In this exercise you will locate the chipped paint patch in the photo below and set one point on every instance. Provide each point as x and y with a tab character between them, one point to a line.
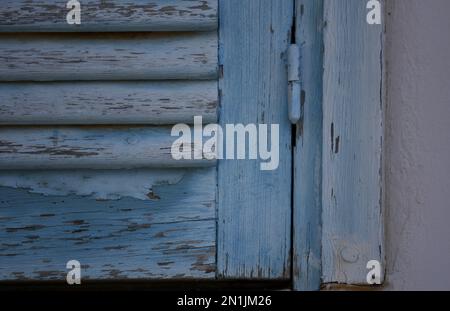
100	185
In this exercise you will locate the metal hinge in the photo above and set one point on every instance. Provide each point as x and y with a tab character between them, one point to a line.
294	85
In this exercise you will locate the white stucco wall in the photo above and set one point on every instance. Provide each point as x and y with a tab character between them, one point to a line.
418	145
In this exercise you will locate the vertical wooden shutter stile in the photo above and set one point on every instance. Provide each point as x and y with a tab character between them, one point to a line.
95	103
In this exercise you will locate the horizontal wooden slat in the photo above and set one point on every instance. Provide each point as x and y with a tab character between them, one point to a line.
108	102
155	56
109	15
90	148
170	236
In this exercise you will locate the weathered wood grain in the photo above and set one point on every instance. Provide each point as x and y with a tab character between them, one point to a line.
352	143
109	15
98	184
307	188
145	222
170	236
108	102
254	206
90	148
138	56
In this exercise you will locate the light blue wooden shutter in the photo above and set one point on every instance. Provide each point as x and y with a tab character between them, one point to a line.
86	114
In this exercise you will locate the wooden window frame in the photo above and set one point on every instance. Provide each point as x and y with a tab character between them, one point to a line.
338	173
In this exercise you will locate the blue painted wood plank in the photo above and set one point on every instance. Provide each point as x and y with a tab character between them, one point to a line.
254	206
352	143
109	15
119	102
172	234
112	56
307	188
93	147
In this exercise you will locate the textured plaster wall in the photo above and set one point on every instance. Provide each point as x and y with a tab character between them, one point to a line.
418	144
